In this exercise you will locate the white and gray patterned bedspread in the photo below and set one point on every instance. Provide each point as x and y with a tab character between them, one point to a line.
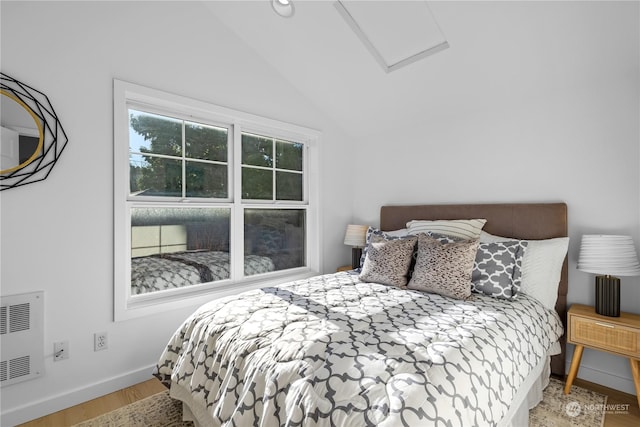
334	351
175	270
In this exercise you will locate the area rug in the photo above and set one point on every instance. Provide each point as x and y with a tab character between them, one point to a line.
581	408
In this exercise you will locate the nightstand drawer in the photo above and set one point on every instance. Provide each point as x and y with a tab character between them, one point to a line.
605	335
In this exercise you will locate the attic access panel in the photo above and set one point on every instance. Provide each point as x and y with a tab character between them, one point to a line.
397	33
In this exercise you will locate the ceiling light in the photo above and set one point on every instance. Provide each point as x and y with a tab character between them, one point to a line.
283	8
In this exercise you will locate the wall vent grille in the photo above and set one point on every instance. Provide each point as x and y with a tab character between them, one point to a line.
19	316
21	337
19	367
3	320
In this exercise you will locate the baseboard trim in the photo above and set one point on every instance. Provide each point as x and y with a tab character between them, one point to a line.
606	379
32	410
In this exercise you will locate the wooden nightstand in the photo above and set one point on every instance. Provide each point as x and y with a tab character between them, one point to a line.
616	335
344	268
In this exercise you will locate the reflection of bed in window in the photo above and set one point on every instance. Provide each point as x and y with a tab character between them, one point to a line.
173	270
192	251
284	245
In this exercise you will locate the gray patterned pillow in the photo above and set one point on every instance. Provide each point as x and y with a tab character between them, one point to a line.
444	268
388	261
497	270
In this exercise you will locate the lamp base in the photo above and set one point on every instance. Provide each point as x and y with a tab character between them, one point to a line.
608	296
356	253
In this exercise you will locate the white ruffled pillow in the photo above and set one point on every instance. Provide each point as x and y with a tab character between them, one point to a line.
541	266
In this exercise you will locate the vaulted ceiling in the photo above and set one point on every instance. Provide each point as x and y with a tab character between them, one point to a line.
500	51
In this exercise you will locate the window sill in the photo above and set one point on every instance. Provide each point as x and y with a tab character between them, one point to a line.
160	302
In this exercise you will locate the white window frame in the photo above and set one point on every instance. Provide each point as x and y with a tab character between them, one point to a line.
128	95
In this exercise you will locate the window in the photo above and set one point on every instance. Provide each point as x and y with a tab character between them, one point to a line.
207	201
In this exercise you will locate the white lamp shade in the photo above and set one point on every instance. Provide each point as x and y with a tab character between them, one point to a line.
356	235
608	255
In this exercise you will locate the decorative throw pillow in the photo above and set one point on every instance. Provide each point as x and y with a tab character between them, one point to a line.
468	229
444	268
497	270
388	261
386	235
541	266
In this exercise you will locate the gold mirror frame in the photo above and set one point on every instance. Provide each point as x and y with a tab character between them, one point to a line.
53	138
33	115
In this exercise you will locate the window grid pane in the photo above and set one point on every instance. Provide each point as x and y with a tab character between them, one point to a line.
257	150
289	186
257	184
289	155
200	150
154	134
155	176
206	180
206	142
257	154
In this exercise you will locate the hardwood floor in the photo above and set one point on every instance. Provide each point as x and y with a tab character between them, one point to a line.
112	401
630	418
99	406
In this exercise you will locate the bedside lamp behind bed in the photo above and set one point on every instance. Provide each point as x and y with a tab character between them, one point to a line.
356	237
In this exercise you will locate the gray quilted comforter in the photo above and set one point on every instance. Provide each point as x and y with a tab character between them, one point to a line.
334	351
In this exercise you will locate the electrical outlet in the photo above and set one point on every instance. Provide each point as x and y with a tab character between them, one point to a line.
60	350
100	341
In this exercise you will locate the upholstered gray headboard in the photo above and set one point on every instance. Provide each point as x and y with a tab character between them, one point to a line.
518	220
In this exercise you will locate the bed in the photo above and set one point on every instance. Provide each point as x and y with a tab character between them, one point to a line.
339	350
174	270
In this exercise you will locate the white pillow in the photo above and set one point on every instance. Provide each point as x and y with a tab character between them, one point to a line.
541	266
468	229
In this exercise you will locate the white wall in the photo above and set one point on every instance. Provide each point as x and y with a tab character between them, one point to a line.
57	234
544	105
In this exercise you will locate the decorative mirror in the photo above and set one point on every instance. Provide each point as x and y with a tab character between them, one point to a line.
32	137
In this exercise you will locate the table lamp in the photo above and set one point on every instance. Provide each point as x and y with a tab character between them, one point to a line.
356	236
608	256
